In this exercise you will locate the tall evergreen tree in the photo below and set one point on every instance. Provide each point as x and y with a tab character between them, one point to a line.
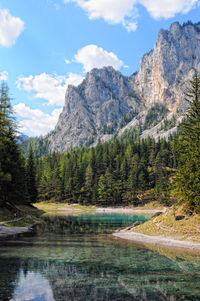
5	124
31	177
12	172
88	181
187	179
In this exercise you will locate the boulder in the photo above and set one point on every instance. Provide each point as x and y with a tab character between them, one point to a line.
179	217
157	214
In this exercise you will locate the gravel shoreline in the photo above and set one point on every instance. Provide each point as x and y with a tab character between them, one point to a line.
10	231
158	240
128	210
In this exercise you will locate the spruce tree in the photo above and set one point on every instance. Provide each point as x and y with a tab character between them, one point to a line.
12	172
102	190
5	124
187	179
31	177
88	181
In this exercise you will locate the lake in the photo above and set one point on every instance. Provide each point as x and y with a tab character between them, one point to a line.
76	258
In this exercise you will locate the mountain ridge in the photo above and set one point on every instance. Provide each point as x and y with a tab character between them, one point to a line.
107	103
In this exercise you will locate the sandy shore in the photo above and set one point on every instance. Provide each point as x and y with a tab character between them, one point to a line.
9	231
158	240
128	210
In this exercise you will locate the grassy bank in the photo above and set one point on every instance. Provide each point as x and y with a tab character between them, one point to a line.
166	225
19	215
62	208
154	205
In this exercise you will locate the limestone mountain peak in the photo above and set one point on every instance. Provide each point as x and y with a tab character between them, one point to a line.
108	103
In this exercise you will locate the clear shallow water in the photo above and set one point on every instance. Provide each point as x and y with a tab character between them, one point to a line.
75	258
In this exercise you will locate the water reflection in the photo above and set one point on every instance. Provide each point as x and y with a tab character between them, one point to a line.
32	286
59	281
71	258
86	224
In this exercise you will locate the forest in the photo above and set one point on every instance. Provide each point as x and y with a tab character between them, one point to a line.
112	173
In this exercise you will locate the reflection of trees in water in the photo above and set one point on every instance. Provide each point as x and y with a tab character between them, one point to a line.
84	284
88	282
9	276
149	292
83	224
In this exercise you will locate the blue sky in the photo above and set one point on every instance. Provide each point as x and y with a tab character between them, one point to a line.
47	44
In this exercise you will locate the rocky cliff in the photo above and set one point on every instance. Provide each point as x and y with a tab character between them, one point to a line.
108	103
94	109
164	71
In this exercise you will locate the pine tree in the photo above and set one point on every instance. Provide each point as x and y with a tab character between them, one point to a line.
88	181
5	124
12	172
102	190
31	177
187	179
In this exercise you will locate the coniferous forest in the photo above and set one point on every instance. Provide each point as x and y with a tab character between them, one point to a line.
112	173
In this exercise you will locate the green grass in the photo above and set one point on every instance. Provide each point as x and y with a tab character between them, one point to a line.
27	215
60	208
22	223
166	225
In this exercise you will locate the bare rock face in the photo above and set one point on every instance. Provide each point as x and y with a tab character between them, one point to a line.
94	110
165	70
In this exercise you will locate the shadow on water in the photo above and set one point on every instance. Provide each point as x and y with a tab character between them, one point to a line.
74	258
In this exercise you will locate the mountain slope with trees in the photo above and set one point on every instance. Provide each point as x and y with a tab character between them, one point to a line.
118	171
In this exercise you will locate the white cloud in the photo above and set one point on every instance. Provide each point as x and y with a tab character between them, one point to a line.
126	12
130	26
67	61
36	122
112	11
48	87
10	28
74	79
4	75
55	4
92	56
168	8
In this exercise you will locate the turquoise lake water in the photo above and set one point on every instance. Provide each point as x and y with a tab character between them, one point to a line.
76	258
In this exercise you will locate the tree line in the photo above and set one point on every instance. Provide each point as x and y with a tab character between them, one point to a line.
112	173
17	174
